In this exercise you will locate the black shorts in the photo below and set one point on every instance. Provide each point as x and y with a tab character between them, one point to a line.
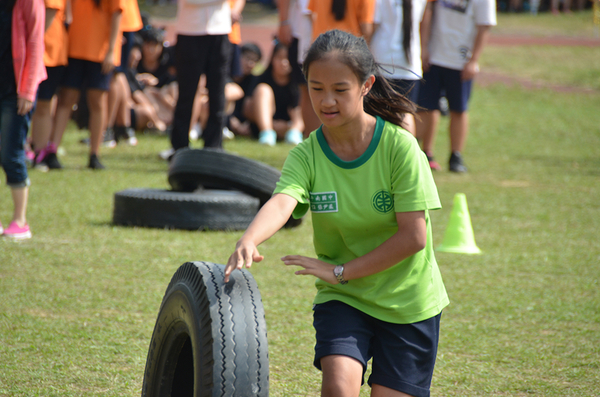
439	81
81	73
49	87
403	354
408	88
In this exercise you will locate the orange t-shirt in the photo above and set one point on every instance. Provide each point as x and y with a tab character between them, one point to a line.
89	34
235	37
56	37
131	21
357	13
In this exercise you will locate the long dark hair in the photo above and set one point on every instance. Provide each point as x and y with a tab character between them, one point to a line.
338	7
406	27
382	100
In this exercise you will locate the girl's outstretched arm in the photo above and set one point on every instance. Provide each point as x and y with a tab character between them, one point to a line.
271	217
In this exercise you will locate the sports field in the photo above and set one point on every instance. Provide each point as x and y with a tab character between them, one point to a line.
78	301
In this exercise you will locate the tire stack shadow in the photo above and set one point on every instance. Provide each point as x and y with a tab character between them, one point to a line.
211	190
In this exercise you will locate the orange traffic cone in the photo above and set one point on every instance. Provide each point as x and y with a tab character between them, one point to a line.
459	237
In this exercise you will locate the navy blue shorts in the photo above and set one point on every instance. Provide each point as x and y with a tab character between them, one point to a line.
439	81
408	88
403	354
49	87
88	74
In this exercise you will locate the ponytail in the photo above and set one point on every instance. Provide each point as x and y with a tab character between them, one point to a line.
338	8
384	101
406	27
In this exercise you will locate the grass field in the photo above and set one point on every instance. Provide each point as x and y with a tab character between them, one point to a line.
80	299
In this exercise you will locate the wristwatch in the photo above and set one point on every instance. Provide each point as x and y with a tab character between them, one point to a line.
338	272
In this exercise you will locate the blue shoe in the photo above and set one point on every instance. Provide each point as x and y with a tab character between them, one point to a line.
267	137
293	136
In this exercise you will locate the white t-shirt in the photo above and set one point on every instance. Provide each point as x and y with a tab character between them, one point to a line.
386	43
454	27
203	17
301	25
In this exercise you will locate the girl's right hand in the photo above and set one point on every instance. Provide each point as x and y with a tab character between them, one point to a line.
245	253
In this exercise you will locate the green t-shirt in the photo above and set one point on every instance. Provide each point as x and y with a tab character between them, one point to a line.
354	205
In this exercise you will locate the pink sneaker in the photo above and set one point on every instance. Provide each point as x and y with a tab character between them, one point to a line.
15	232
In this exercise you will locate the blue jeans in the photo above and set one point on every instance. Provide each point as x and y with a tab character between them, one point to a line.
13	132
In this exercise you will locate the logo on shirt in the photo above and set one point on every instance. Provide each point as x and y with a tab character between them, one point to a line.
324	202
382	201
456	5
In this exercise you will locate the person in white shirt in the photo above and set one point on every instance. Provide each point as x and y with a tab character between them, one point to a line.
396	46
202	47
451	51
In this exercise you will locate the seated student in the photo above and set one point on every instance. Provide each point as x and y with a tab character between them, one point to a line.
152	78
250	56
273	109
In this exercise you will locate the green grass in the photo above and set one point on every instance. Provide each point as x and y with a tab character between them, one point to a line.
577	24
80	299
575	66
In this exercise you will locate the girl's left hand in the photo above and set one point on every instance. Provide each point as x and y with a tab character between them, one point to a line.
23	106
312	266
108	65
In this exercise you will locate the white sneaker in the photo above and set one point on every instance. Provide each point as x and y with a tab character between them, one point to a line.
195	132
1	229
267	137
293	136
165	154
227	134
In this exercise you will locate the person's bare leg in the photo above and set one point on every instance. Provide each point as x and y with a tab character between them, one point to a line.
341	376
263	103
41	123
97	103
382	391
459	128
427	123
410	124
114	100
19	197
67	98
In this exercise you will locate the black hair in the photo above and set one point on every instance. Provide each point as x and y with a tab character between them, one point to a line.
278	46
97	2
338	7
406	27
251	48
151	34
382	100
10	4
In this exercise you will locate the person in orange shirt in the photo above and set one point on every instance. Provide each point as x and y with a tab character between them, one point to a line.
94	51
55	59
352	16
119	125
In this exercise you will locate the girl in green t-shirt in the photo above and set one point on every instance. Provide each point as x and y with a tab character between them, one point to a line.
380	292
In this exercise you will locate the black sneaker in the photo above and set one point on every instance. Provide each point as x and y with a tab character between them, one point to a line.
125	133
51	160
95	163
456	163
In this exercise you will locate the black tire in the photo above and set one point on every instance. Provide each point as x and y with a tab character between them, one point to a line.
210	338
214	169
207	209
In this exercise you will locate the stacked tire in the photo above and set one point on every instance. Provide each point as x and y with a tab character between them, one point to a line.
211	190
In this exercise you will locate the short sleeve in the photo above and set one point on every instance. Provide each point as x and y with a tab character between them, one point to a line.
485	12
413	186
366	11
294	180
